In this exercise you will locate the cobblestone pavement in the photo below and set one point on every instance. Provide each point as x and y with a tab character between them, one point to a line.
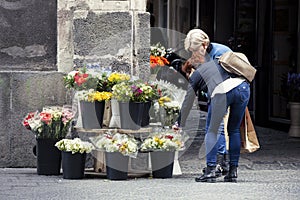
270	173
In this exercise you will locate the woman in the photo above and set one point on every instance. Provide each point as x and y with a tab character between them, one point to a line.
223	90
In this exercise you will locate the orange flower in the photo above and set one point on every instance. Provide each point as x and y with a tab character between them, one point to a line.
158	60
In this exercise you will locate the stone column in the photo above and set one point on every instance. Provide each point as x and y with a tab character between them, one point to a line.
113	34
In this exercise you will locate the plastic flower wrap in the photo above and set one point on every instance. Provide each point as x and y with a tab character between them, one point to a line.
117	142
172	107
74	145
51	122
163	141
167	108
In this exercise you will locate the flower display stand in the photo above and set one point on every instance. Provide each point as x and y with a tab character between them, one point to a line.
176	166
115	114
99	161
145	169
99	156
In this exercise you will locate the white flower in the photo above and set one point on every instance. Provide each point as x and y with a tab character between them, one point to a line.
72	74
117	142
162	141
74	145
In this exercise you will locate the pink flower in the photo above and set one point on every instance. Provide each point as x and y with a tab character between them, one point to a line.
46	117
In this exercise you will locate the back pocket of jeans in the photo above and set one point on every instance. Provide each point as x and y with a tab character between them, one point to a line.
244	92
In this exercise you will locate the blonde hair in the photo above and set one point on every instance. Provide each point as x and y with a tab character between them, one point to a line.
194	39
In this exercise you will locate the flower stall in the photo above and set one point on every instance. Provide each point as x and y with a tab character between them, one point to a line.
111	110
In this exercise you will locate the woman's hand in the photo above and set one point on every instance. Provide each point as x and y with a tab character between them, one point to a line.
175	127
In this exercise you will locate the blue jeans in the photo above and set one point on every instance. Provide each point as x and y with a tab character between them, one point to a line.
221	135
237	99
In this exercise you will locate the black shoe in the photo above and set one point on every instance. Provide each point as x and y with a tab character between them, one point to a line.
209	175
232	174
218	172
225	164
222	167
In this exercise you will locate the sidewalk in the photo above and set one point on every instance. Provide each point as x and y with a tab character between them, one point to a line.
270	173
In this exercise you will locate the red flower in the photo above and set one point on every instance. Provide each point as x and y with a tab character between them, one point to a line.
46	117
25	121
169	137
80	78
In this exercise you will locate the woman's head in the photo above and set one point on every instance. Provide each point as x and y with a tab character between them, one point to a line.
197	42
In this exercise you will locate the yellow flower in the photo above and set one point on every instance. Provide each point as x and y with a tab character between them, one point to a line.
163	99
117	77
99	96
123	147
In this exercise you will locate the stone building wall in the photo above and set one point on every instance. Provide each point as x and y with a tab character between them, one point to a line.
42	40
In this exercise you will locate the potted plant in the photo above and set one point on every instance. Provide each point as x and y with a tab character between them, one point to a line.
81	82
132	97
73	157
49	126
118	148
293	89
162	147
92	107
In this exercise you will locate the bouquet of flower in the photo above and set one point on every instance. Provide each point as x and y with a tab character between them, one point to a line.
117	77
157	58
74	145
117	142
143	92
82	79
293	86
168	110
53	122
163	141
91	95
122	91
136	91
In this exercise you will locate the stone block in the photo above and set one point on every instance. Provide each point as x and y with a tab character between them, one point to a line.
4	118
65	50
24	93
102	36
138	5
142	44
28	35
